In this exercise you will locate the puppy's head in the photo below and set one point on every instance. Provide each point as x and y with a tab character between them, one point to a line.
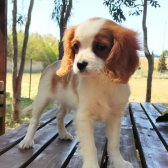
100	46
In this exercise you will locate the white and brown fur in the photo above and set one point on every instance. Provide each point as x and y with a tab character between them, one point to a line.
92	79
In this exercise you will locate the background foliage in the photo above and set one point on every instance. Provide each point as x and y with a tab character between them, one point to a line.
162	66
41	48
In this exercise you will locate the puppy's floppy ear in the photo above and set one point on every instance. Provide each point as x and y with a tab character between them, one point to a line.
123	59
68	58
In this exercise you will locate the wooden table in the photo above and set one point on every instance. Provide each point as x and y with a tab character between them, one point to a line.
143	142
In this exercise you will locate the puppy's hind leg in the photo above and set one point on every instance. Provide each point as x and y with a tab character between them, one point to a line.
39	104
63	133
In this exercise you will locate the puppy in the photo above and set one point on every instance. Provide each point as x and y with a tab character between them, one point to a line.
92	79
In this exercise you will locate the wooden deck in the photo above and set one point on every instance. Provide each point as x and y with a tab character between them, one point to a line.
143	142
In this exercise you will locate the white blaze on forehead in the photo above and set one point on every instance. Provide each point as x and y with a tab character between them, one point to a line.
85	34
89	28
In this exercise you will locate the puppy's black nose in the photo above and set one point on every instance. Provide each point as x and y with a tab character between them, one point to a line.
82	65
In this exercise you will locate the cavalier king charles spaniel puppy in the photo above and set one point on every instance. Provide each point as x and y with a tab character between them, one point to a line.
92	79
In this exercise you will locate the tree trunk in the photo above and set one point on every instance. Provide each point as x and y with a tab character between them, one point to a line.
17	76
65	14
148	55
25	41
60	47
15	106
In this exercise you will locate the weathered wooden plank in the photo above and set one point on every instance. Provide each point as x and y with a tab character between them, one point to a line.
50	152
17	158
152	152
1	97
127	148
1	102
11	138
57	154
159	107
126	121
160	127
76	161
2	87
127	142
100	141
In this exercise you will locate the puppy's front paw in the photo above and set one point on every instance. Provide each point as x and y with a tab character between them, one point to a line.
90	165
26	144
121	164
128	164
65	136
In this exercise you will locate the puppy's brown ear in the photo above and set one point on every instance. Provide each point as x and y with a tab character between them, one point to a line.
123	59
68	58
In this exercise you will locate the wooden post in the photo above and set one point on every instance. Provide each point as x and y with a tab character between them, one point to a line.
3	58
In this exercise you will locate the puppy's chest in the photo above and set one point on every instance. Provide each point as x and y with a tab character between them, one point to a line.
96	99
92	94
95	91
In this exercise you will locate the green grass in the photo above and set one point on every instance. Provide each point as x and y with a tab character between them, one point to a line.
24	103
159	90
25	84
25	100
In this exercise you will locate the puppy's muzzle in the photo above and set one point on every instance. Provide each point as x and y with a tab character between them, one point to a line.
82	65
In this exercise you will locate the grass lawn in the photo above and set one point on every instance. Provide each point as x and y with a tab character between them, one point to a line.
159	90
25	84
25	101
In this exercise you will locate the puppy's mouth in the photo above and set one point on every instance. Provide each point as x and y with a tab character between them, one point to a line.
82	72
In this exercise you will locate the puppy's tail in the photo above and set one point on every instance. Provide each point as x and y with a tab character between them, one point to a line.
26	110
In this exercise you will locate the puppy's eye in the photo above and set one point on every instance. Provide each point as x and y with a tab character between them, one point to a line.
100	47
76	47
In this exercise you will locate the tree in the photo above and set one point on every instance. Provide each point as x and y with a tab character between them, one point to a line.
18	72
165	53
10	46
162	62
137	7
61	14
41	48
